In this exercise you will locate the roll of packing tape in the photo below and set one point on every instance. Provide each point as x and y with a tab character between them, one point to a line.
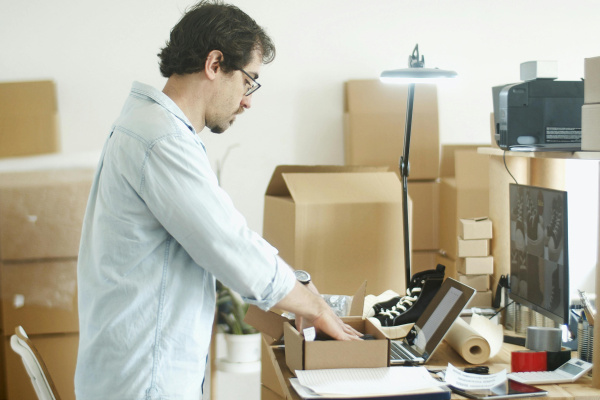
557	358
526	361
471	346
543	339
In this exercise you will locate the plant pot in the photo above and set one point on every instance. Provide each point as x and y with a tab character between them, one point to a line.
242	348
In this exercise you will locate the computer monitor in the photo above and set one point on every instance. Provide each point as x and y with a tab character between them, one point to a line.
539	258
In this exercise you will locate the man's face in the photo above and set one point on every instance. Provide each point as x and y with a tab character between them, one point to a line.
230	98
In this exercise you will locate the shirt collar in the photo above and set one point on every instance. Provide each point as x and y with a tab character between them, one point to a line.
162	99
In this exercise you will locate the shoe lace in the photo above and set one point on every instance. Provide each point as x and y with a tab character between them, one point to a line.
403	304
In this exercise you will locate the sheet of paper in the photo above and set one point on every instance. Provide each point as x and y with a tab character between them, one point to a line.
465	380
359	381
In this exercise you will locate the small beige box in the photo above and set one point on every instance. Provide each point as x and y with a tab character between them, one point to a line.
477	282
481	299
473	247
476	265
476	228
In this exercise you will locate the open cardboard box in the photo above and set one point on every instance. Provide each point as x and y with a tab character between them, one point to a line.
322	354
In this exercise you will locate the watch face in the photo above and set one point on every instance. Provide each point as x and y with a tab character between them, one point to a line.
302	276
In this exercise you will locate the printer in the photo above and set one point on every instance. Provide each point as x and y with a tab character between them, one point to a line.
538	115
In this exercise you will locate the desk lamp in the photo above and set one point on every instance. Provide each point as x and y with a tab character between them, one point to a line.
415	73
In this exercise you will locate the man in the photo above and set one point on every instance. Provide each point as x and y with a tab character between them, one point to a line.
158	229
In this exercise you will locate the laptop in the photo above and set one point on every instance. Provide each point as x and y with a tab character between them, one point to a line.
433	325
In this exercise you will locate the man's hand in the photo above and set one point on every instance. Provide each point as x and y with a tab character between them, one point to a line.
311	310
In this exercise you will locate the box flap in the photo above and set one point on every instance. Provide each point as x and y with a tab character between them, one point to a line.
358	301
277	186
266	322
344	187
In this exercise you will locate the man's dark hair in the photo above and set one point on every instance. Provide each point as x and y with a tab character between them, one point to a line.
213	25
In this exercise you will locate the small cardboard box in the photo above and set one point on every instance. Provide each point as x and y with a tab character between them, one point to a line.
481	300
321	354
41	213
475	228
40	296
326	354
374	120
473	248
28	119
480	283
591	83
476	265
590	127
341	224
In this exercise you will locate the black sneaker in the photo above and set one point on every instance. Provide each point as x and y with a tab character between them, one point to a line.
407	309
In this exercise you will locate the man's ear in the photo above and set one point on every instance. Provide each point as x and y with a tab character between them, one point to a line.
213	64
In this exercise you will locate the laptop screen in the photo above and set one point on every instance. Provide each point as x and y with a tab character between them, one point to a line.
439	315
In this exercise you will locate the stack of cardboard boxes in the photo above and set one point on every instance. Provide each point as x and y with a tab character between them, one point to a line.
475	264
41	211
40	224
374	121
590	112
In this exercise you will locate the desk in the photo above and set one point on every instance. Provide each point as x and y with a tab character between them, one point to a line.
444	355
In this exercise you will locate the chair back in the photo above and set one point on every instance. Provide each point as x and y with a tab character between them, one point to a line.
35	366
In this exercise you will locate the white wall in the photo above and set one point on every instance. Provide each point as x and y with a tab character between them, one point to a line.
93	50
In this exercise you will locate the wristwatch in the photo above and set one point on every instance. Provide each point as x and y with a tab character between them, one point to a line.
302	276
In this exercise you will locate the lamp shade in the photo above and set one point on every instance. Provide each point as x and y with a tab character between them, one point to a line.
416	75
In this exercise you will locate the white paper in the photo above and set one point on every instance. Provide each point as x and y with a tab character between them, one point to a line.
465	380
360	381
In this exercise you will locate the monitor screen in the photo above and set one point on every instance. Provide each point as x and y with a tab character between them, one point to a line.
539	259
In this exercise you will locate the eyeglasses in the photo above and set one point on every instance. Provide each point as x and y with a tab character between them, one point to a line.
254	86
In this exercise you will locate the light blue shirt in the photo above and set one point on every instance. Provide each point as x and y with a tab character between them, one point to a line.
157	231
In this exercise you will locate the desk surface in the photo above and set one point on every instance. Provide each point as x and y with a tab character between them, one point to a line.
444	355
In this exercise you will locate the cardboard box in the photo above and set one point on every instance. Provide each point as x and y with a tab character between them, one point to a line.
480	283
268	376
481	300
2	371
59	353
374	121
41	213
319	354
448	158
326	354
475	228
268	394
591	83
465	196
473	248
476	265
40	296
590	127
28	119
423	260
341	225
425	198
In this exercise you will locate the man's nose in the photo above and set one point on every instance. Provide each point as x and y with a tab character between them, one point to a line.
246	102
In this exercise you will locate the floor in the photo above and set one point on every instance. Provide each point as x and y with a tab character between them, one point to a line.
231	385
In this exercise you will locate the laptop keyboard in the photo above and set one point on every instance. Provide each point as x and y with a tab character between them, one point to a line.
398	352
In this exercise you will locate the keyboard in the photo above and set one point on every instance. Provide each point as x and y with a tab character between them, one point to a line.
399	352
540	377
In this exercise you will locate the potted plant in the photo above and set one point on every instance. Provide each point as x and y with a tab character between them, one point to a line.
242	340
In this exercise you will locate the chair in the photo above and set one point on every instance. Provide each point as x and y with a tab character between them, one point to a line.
35	366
